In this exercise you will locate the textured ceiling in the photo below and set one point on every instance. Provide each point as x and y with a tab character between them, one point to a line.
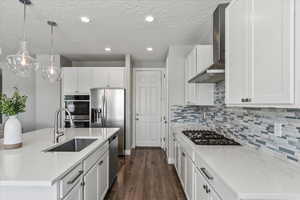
118	24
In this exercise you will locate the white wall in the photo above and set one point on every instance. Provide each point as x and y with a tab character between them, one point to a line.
26	86
47	96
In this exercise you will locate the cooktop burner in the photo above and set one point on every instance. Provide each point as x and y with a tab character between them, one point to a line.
205	137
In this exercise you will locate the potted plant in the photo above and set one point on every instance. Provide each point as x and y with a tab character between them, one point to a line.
11	107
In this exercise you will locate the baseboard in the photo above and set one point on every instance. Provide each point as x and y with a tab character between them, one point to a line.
127	152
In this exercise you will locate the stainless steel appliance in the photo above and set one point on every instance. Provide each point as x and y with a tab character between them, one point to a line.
79	107
113	159
108	110
205	137
216	72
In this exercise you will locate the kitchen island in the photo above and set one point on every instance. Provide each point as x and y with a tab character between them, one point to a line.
33	173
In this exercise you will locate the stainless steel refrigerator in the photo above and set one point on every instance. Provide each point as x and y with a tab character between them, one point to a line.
108	110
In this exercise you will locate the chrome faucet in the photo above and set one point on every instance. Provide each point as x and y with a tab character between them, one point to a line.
58	130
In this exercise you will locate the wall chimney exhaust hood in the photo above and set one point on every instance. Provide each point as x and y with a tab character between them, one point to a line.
216	72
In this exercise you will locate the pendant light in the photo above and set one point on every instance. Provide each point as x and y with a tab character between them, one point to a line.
22	63
52	72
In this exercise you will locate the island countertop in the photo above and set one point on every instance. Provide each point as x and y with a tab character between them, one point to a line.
31	166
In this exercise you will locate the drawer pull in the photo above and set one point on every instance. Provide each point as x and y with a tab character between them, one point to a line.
75	178
209	177
100	163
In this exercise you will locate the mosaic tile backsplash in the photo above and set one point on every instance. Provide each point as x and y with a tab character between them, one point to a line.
251	126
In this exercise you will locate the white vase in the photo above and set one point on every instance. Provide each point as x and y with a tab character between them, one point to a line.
12	133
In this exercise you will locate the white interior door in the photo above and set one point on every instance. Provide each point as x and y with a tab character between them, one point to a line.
148	107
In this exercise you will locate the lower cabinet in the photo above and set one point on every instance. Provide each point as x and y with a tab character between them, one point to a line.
91	184
96	180
203	191
189	185
76	192
103	176
89	180
194	182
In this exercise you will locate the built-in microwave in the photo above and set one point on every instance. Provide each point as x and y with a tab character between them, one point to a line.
79	107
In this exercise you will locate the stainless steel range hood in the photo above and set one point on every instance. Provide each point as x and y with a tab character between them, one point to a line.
216	72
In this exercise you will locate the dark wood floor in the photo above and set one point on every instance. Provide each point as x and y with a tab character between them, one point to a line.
145	175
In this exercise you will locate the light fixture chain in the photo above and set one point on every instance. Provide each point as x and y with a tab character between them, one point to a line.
24	22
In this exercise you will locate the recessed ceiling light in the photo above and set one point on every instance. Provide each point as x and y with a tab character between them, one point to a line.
85	19
107	49
149	18
149	49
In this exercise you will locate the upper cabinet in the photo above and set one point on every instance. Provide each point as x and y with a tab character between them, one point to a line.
108	77
260	68
196	61
79	80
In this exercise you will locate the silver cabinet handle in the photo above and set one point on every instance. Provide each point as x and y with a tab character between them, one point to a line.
75	178
208	176
100	163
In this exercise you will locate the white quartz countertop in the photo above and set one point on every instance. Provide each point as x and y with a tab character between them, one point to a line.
31	166
250	173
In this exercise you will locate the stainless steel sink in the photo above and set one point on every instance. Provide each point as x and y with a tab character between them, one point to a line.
74	145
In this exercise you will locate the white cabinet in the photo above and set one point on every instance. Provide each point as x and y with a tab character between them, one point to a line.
70	77
189	185
200	186
84	79
196	61
77	80
102	176
90	184
183	168
260	53
108	77
203	191
76	193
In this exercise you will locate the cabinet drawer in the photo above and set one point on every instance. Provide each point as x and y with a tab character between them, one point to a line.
70	180
92	159
216	183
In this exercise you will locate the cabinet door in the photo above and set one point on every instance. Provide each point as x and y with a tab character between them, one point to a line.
84	79
176	156
204	57
200	184
91	184
272	60
183	168
187	85
237	51
76	192
192	72
116	77
70	80
189	186
100	77
103	172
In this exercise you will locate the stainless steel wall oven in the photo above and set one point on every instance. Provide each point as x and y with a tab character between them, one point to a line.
79	107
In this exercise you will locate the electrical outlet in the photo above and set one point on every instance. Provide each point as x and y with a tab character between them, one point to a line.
278	129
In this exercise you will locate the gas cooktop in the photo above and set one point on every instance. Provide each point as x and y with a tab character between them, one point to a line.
205	137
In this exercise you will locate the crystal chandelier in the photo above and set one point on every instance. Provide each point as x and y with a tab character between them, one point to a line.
52	72
22	63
